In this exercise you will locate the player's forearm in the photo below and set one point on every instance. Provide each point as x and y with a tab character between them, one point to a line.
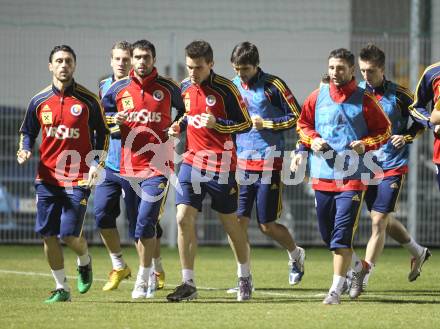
280	123
26	142
225	126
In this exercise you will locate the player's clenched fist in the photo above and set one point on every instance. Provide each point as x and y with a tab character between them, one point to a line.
207	119
257	122
120	117
23	156
174	130
319	144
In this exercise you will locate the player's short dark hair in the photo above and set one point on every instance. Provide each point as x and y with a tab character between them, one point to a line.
372	53
200	49
144	45
65	48
245	53
342	53
123	45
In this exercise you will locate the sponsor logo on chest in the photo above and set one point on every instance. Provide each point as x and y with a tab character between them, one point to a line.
46	115
144	116
127	101
195	120
62	132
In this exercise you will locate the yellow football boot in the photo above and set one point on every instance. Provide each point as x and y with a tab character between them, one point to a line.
160	279
115	277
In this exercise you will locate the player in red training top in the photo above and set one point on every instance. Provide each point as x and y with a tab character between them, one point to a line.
214	111
73	125
142	104
339	123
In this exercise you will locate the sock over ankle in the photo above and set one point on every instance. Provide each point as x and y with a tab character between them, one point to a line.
84	259
338	282
188	276
293	254
143	273
356	263
118	262
60	279
157	264
413	247
367	276
243	270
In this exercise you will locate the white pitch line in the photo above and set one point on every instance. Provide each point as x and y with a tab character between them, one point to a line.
202	288
169	284
41	274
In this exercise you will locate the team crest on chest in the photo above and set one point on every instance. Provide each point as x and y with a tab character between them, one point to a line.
127	101
76	110
158	95
211	100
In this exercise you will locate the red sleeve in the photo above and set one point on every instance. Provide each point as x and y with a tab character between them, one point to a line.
378	124
306	122
436	89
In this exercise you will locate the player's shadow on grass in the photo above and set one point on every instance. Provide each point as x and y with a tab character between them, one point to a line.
209	300
293	289
396	301
406	292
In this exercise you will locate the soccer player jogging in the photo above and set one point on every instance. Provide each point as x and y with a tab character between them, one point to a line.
214	111
393	156
273	110
107	194
73	126
339	123
428	92
142	105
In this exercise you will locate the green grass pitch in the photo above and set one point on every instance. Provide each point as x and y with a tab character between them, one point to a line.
390	302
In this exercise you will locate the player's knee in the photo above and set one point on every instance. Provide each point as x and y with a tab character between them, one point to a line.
105	223
159	231
267	228
379	222
70	240
148	231
184	220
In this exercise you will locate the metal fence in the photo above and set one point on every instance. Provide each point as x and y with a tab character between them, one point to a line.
17	202
321	26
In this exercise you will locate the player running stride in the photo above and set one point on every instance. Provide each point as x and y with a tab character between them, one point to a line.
73	125
143	104
214	111
338	124
273	110
393	157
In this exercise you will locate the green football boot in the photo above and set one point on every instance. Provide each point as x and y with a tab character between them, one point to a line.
58	295
85	277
